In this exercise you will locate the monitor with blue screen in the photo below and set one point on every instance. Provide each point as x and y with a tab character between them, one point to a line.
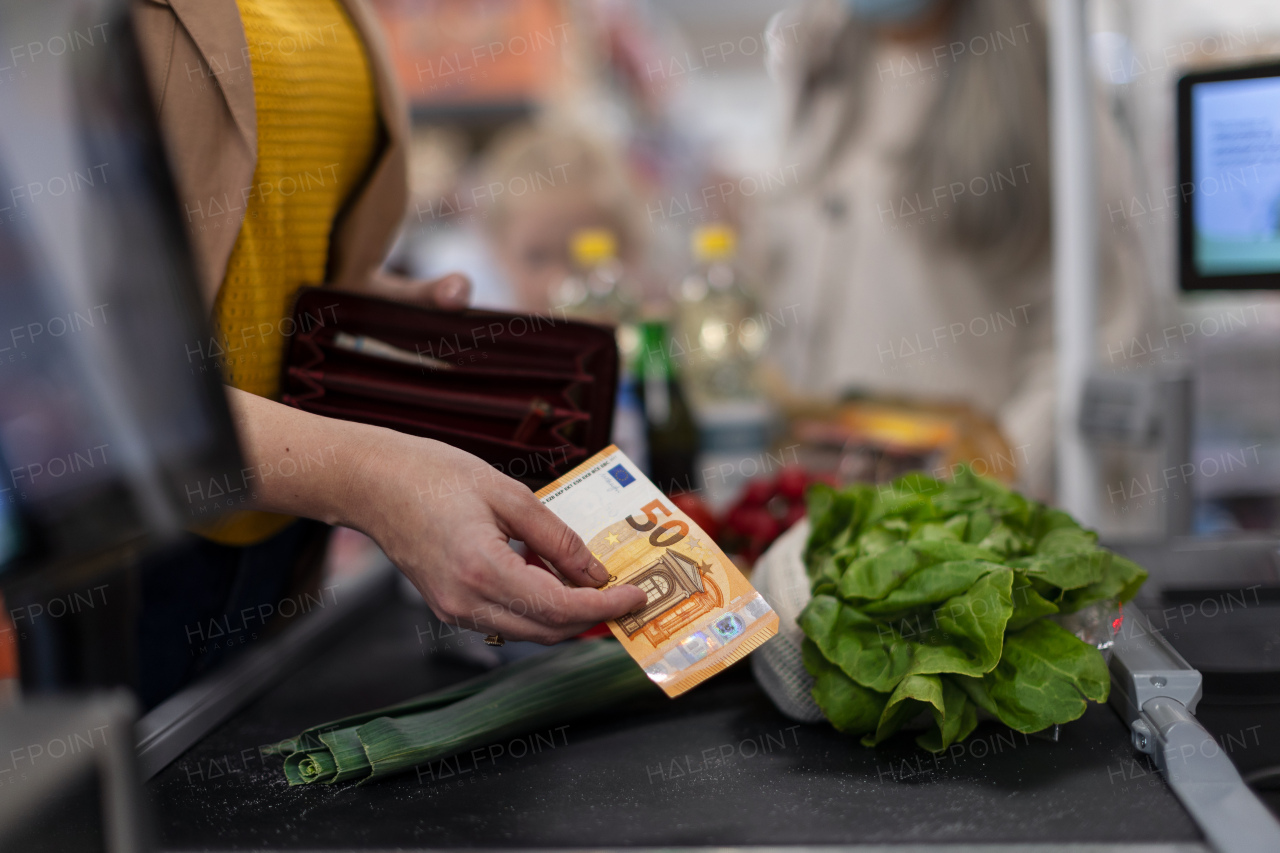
1229	179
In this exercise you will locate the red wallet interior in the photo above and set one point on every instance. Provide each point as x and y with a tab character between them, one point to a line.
532	395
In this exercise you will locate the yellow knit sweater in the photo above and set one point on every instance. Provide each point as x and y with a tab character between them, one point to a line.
317	129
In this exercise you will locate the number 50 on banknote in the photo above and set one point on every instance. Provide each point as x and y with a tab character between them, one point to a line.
700	613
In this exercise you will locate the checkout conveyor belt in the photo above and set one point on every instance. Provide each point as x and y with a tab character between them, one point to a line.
717	767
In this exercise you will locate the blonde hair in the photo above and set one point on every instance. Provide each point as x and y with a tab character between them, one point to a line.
544	158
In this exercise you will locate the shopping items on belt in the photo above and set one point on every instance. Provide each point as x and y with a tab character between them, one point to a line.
946	598
878	438
571	681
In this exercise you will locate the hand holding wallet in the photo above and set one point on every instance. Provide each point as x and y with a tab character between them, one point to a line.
531	395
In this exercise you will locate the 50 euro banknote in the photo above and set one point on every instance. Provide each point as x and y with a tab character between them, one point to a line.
701	613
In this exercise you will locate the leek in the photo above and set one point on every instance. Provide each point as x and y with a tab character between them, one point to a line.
572	681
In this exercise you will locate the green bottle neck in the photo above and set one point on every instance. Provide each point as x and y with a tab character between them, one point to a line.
653	358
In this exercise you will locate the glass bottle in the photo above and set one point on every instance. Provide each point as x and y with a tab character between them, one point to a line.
669	425
717	327
596	291
720	336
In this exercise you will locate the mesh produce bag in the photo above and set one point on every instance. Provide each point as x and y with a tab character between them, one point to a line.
779	576
778	666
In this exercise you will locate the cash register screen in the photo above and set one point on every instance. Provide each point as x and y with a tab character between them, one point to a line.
1230	178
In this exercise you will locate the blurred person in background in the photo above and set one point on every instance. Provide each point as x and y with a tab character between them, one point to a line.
286	136
557	181
915	250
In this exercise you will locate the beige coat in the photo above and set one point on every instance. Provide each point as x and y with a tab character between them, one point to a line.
195	57
869	303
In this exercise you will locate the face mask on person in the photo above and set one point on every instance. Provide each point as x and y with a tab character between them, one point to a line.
890	11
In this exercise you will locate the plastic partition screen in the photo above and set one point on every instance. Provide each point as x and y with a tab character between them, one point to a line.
107	422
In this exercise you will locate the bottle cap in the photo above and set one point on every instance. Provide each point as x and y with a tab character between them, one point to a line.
714	242
593	246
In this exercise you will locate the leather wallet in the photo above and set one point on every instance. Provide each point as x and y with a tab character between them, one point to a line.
531	395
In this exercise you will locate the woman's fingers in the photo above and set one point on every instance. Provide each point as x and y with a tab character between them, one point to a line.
524	517
451	292
545	612
564	607
550	618
496	590
458	555
499	620
529	592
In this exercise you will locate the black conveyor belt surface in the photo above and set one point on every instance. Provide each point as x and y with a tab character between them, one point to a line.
718	766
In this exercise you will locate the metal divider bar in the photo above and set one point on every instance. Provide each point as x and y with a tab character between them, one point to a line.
1155	691
173	726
